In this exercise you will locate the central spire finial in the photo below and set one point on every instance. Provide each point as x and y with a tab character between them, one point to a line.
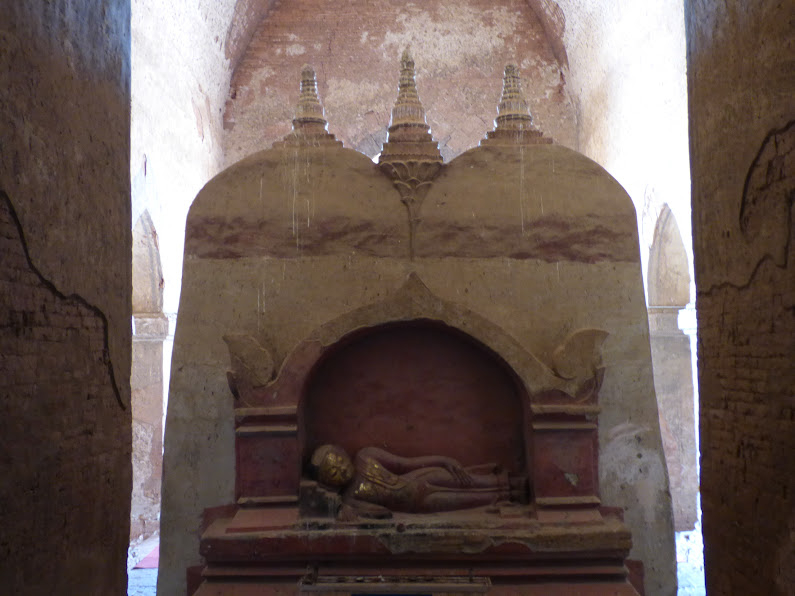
513	112
309	108
408	110
410	157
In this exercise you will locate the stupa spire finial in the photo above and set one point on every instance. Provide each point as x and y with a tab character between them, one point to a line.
410	156
514	123
513	112
408	109
309	123
309	108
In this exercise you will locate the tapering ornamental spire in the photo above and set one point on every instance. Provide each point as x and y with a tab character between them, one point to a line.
309	108
409	134
514	124
410	157
309	123
408	109
513	111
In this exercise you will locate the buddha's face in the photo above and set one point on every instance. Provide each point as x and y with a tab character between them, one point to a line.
336	468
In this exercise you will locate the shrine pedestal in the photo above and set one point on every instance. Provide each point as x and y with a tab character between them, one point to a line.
499	551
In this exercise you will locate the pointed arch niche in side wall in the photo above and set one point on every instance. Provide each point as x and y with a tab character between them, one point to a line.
669	292
150	327
669	279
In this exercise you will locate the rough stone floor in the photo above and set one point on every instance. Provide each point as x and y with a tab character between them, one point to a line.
141	582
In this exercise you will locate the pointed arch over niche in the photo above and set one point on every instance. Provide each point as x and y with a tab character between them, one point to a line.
669	291
150	327
147	273
395	386
578	356
669	278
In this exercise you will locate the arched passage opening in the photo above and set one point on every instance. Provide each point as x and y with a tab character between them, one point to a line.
150	327
673	346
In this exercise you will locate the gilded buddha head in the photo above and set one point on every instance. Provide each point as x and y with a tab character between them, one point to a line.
332	466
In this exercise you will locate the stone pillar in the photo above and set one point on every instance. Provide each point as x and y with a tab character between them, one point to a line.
149	331
673	383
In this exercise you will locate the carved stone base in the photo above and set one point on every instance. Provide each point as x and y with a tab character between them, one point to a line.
437	586
496	551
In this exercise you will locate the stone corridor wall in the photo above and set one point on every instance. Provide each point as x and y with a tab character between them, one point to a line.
65	472
741	70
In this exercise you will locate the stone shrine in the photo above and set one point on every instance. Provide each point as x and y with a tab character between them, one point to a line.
440	376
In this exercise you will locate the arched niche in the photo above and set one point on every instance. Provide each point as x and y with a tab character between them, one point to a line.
147	273
669	279
417	375
417	388
669	291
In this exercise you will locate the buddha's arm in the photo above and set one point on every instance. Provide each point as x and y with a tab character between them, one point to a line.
401	465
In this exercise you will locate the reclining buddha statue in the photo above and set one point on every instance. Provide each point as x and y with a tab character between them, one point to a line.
377	483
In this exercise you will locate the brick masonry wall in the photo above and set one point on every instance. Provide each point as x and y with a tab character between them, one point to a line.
460	50
64	435
65	471
748	434
741	81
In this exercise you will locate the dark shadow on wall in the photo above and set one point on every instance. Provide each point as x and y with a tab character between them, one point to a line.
64	435
76	298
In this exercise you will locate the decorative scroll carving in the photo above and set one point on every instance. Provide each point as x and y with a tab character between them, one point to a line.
252	365
571	372
309	123
514	124
579	359
410	157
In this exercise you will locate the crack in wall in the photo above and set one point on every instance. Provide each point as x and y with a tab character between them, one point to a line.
714	288
74	298
769	191
765	213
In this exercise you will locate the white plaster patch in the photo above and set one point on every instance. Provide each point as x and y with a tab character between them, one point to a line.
263	73
449	40
295	49
344	92
632	461
363	39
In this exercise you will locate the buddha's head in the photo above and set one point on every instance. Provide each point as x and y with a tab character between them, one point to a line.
332	466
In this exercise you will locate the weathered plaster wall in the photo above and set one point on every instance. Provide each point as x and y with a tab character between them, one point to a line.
741	84
627	79
460	50
65	296
180	81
